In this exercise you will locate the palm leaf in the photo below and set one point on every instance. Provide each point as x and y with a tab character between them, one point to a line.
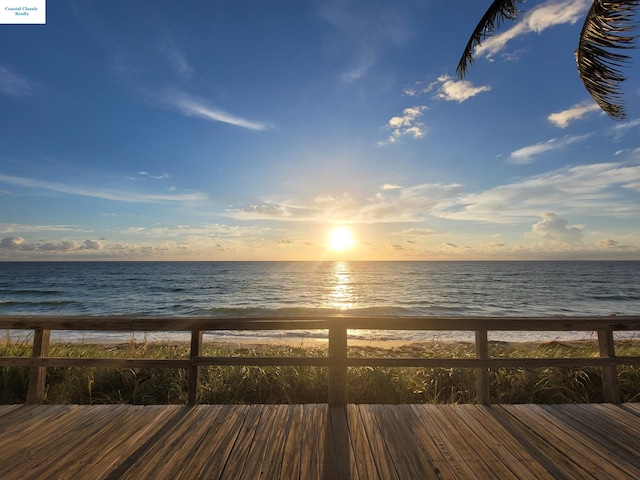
499	11
606	28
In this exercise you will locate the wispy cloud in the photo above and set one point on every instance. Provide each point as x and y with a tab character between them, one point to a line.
406	125
538	19
23	228
448	89
580	190
108	194
563	118
622	128
401	204
194	107
362	30
14	85
175	56
526	155
163	176
366	59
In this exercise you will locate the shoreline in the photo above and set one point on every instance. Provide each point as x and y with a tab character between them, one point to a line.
309	339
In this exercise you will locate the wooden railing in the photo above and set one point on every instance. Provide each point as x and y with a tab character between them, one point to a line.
337	359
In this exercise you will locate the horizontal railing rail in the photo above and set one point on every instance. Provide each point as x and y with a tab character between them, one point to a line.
336	360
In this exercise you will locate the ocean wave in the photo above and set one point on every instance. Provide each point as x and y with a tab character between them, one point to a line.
247	312
30	291
42	303
614	298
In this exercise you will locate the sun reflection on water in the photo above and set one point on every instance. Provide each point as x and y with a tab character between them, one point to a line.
342	292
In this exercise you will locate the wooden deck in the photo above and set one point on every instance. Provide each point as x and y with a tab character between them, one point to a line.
320	442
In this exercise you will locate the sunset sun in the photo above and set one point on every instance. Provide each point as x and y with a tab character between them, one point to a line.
340	239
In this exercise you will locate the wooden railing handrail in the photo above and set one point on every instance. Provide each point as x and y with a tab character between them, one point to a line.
336	360
127	323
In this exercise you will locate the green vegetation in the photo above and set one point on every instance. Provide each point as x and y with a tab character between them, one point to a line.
245	384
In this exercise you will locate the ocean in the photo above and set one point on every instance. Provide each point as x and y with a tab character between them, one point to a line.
245	289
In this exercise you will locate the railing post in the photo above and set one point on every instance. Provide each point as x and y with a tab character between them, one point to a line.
338	373
194	370
610	384
38	375
482	373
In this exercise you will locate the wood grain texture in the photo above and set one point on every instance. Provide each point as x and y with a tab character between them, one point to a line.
598	441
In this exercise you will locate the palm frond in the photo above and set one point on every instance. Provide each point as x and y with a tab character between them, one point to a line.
499	11
605	32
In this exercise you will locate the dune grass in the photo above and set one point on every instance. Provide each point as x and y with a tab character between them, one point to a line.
246	384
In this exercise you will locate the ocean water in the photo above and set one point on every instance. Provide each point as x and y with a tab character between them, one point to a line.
244	289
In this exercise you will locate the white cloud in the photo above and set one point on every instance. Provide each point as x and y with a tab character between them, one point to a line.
192	107
448	89
457	91
538	19
92	245
562	119
406	125
19	243
155	177
526	155
552	227
107	194
13	85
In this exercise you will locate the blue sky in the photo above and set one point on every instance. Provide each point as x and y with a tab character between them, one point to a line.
163	130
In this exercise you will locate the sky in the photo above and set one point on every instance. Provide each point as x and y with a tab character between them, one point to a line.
164	130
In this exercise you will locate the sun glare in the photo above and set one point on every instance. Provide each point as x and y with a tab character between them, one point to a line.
341	239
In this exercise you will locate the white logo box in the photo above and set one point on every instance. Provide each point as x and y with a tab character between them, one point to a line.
25	12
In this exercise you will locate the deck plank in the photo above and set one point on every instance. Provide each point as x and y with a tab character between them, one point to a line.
490	431
377	443
549	439
6	409
265	456
602	436
318	442
313	442
238	455
342	445
578	444
291	454
219	441
364	461
452	447
395	419
118	441
427	443
50	437
481	446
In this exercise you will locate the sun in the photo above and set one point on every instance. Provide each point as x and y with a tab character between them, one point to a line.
341	239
